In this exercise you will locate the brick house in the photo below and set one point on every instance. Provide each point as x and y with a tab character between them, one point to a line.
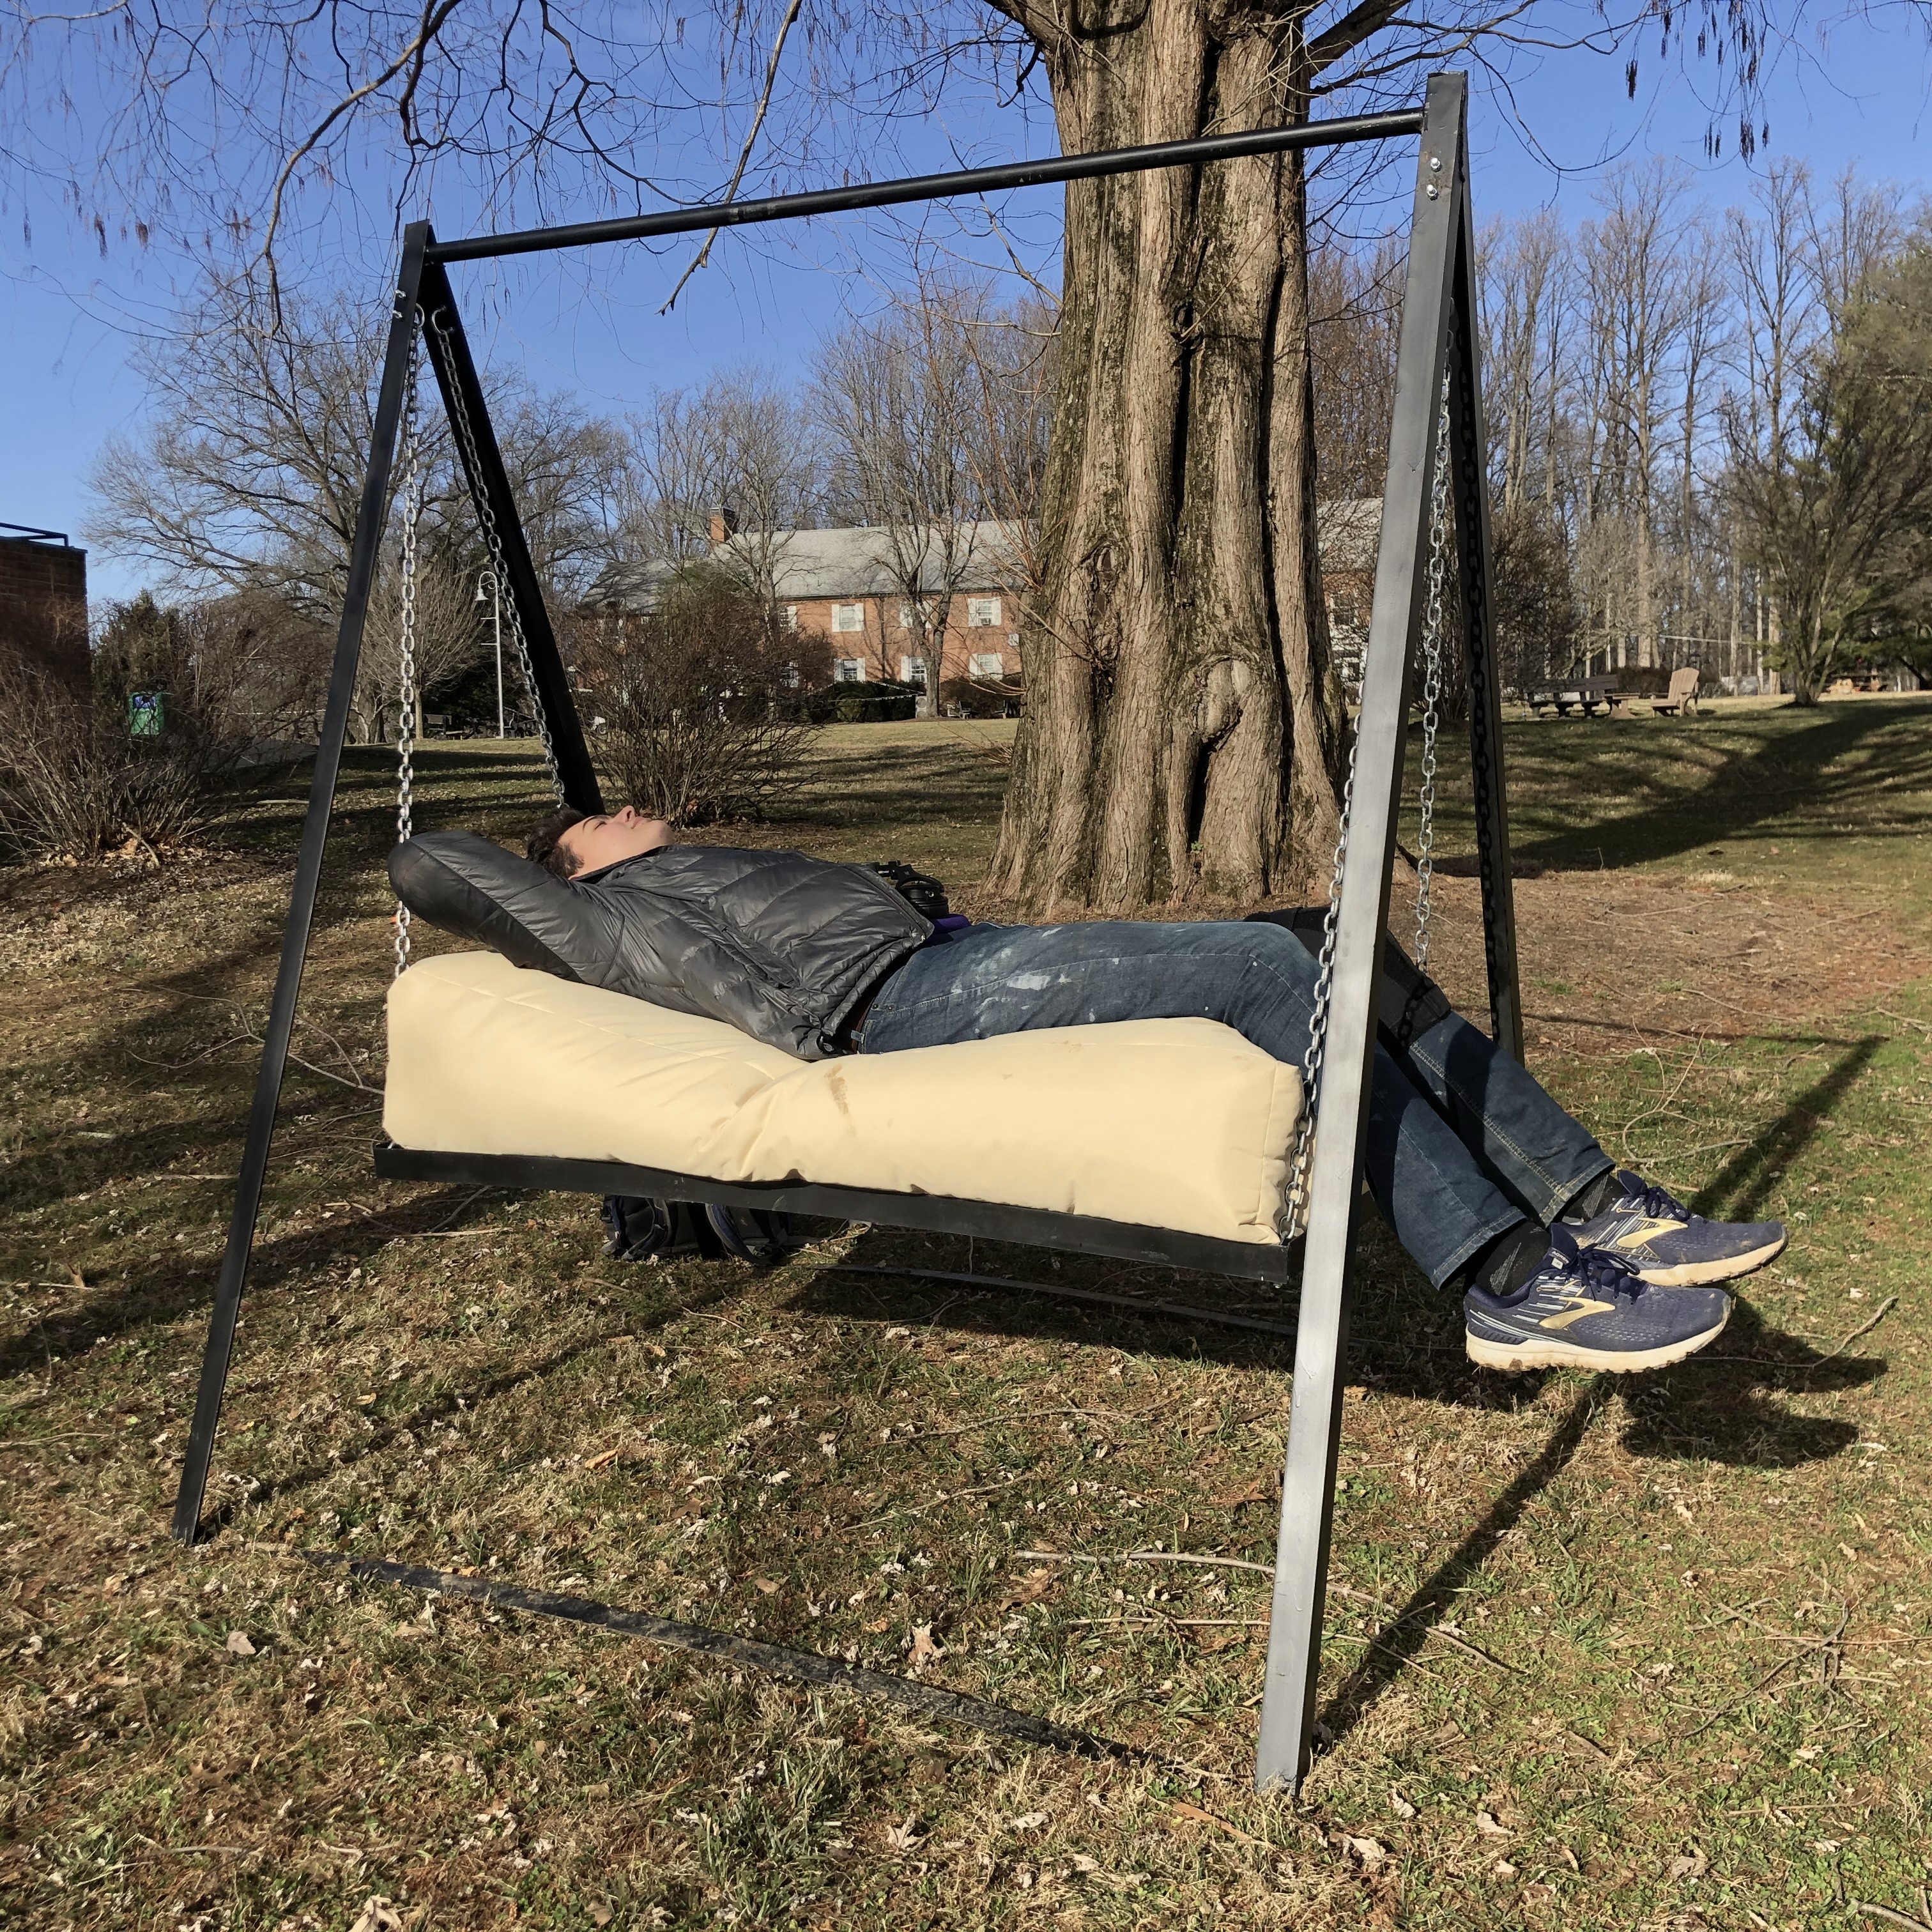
838	583
43	601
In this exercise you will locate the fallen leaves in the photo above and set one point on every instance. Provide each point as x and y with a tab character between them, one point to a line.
1692	1864
1029	1589
1491	1826
903	1838
924	1650
1200	1817
378	1916
238	1644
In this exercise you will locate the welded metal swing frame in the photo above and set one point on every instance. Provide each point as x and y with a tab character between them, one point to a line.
1438	338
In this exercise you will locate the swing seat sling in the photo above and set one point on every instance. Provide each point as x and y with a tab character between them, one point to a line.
1167	1141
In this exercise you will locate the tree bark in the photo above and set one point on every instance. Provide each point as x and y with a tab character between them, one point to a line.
1185	734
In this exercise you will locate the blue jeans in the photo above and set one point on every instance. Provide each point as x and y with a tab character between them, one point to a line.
1462	1143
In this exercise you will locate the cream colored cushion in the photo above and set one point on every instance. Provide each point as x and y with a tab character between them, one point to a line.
1170	1123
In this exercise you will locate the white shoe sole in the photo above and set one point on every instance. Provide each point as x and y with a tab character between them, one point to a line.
1702	1274
1555	1353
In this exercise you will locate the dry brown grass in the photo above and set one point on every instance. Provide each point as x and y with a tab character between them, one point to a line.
1600	1655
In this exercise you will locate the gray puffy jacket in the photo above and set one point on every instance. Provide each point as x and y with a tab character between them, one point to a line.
782	946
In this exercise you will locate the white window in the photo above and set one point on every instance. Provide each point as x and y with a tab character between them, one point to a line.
848	617
982	613
788	677
912	671
849	670
791	617
907	617
987	664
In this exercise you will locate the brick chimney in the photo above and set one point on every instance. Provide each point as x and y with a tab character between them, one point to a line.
724	526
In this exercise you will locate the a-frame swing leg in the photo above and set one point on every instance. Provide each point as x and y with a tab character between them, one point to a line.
362	557
1469	489
422	286
1438	225
490	484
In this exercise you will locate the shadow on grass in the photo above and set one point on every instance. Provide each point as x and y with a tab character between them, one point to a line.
1796	775
1742	1186
706	1292
1401	1639
183	1285
1717	1407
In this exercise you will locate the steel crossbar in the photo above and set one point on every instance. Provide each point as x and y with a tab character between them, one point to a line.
1439	335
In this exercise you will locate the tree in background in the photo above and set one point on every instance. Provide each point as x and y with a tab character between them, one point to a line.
894	398
694	704
1534	601
1836	520
740	451
1354	317
248	477
1184	730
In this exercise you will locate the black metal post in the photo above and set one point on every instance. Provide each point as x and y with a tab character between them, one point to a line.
1308	1478
456	376
1469	460
934	187
362	561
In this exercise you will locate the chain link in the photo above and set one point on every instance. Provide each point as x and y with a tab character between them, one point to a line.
1432	681
492	542
406	720
1295	1212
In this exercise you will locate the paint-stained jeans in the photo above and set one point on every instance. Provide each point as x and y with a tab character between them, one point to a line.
1462	1143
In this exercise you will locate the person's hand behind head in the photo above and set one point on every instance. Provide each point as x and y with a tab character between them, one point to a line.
589	843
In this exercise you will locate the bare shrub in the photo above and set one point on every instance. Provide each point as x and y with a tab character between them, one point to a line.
148	756
695	705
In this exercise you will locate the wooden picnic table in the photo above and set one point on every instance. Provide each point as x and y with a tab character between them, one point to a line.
1586	695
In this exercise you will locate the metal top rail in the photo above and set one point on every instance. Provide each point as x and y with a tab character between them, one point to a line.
933	188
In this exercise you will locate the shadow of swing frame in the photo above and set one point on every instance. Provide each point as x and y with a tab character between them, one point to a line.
1438	338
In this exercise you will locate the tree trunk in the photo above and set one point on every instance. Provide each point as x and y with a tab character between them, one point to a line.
1184	730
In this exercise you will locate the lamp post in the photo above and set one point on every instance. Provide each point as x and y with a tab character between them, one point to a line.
495	602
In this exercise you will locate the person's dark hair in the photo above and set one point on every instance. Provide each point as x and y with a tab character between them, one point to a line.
544	847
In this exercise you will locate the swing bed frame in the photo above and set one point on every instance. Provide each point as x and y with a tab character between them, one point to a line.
1438	389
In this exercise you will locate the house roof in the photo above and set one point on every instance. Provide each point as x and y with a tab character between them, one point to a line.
852	563
847	563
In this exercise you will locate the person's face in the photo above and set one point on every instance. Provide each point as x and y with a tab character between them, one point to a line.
594	843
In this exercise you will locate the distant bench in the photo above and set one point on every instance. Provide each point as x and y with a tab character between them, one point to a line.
1586	695
1589	695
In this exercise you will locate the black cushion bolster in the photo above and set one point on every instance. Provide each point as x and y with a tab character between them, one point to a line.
467	885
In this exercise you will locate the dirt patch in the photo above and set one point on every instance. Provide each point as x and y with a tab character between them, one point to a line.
1607	958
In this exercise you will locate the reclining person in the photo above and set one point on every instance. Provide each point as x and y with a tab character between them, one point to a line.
1487	1182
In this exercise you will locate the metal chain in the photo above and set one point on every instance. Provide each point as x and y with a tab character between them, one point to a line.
1318	1023
492	542
1299	1164
405	722
1431	682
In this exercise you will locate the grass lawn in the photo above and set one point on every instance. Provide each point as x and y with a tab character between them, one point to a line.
1600	1654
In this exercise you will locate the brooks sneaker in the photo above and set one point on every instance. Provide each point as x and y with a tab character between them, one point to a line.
1668	1245
1588	1308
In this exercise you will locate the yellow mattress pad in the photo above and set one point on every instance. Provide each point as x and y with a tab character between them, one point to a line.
1181	1124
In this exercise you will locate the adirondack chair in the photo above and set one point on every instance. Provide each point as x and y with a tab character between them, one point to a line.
1683	696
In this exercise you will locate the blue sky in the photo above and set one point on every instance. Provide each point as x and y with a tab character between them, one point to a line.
589	322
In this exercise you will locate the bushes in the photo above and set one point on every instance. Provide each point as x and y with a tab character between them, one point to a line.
154	751
695	708
873	702
981	696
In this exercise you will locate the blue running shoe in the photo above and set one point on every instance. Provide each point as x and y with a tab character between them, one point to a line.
1587	1308
1667	1244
